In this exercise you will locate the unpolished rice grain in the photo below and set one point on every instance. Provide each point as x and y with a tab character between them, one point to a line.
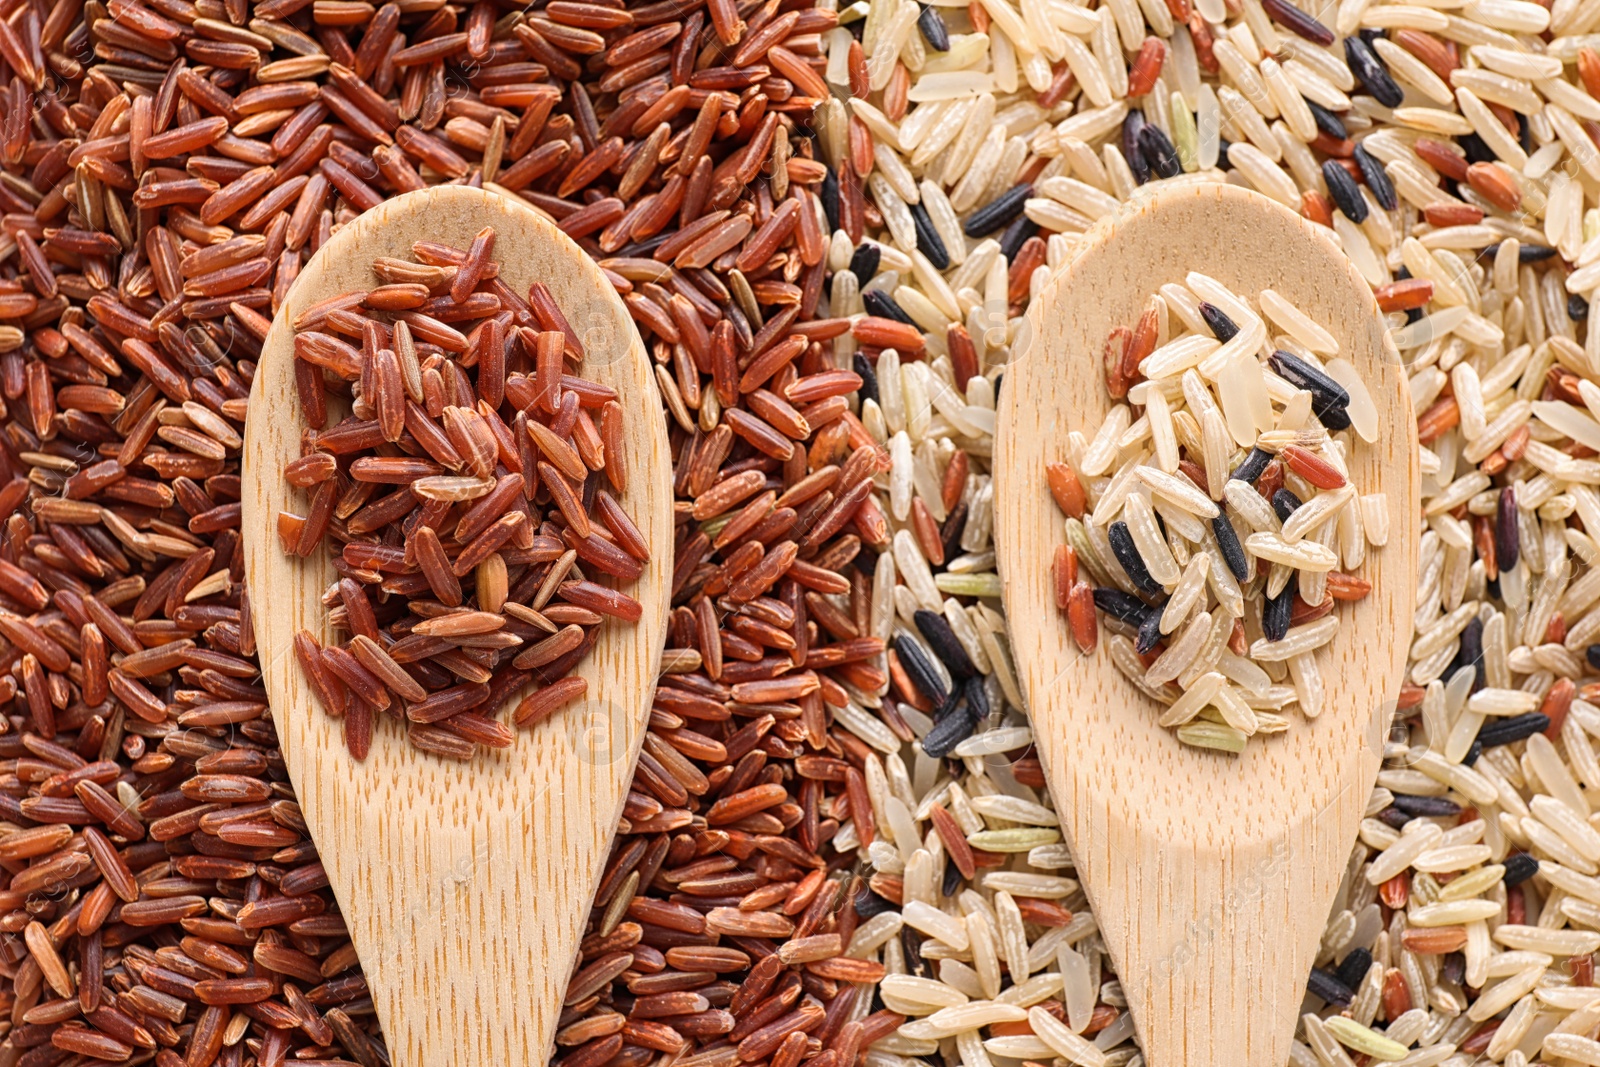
472	431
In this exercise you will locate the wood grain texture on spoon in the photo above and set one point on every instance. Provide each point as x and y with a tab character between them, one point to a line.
1210	875
465	886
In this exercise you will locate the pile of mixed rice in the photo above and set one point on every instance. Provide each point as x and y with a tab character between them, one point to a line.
1219	530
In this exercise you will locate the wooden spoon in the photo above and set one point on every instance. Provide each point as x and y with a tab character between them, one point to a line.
465	887
1211	875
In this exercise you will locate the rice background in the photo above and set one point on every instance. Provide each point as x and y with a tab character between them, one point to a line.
814	866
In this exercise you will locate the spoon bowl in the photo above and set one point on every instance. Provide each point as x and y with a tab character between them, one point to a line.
1211	875
465	887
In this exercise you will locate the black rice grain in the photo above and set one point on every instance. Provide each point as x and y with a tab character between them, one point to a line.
1275	614
1345	192
1297	22
1394	818
934	31
977	698
911	951
1329	401
1127	554
944	643
998	212
864	261
920	670
1377	178
951	882
1426	807
869	378
950	533
1149	635
1017	235
883	305
1519	868
1470	654
1369	70
1232	550
949	732
1159	151
1325	986
1510	730
1285	503
1507	546
1131	149
869	903
1327	121
1124	607
1222	327
1354	967
928	239
828	193
1252	467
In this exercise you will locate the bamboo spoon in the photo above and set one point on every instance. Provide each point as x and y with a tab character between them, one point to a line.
465	886
1210	875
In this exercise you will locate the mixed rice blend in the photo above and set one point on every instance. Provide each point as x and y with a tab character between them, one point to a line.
1219	527
828	220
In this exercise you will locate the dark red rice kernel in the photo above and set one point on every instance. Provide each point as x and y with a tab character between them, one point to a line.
1507	543
497	524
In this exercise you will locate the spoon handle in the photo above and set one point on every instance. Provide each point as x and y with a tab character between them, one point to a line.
1213	941
469	918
